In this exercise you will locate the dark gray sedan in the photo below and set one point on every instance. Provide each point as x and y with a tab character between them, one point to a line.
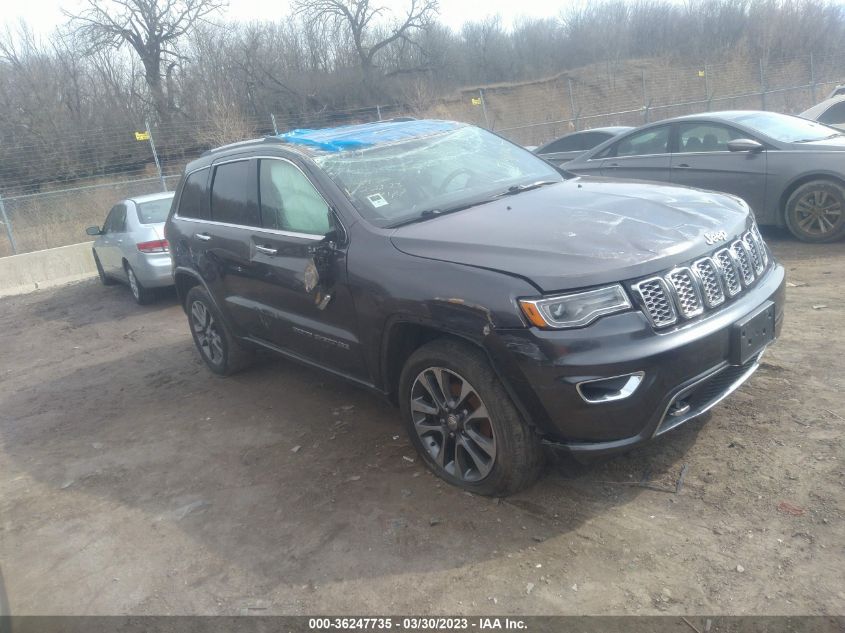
789	170
570	146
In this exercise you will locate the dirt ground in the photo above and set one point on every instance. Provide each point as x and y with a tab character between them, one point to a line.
133	481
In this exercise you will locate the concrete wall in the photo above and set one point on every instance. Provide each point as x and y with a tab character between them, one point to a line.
27	272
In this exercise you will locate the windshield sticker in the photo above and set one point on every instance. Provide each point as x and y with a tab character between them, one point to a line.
377	200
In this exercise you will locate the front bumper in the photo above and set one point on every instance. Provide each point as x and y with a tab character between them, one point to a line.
684	371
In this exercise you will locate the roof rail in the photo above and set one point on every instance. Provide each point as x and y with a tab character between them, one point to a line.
251	141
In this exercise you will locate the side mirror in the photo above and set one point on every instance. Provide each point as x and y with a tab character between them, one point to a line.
745	145
93	230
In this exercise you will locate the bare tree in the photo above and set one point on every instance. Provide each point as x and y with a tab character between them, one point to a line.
360	19
151	27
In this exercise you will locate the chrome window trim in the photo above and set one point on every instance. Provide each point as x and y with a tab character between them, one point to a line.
306	236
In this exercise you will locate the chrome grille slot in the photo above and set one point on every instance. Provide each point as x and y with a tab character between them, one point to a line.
753	251
761	245
743	260
656	301
686	292
711	283
729	272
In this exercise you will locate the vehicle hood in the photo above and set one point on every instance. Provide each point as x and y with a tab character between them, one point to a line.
580	232
835	144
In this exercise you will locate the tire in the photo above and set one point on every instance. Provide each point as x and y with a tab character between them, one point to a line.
142	295
448	432
218	348
815	212
104	279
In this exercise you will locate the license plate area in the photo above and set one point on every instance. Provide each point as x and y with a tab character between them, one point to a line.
752	333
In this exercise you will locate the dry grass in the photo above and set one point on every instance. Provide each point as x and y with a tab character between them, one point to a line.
527	112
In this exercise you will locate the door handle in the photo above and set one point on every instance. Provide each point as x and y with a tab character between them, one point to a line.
613	165
202	236
682	166
266	250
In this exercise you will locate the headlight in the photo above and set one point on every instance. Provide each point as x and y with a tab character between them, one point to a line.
576	309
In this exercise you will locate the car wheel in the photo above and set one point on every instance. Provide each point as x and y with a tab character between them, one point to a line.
104	279
463	423
815	212
141	295
218	348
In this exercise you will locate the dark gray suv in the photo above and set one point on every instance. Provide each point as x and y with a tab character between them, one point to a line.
501	304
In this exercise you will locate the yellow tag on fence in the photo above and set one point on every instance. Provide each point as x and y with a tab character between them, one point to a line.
142	136
476	101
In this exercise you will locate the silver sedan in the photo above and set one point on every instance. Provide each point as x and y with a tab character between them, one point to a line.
131	247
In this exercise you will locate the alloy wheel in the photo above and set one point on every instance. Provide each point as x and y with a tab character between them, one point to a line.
818	213
453	424
206	332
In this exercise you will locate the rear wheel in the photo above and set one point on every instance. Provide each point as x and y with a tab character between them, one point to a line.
463	423
219	349
104	279
141	295
815	212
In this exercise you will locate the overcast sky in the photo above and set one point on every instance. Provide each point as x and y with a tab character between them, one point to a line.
43	15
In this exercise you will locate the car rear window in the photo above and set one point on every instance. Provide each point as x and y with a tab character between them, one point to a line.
154	211
190	201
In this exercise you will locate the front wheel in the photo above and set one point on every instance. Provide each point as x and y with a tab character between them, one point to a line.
104	279
463	423
218	348
815	212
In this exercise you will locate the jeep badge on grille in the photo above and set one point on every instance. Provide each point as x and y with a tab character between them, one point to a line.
714	237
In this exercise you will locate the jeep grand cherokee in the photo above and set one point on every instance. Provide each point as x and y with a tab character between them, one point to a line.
503	305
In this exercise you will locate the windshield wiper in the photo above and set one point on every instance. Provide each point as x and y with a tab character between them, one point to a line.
515	189
436	213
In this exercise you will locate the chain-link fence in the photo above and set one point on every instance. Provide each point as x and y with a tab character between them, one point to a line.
50	192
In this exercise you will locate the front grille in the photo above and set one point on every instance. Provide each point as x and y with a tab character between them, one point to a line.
711	283
657	302
728	271
740	254
756	261
707	283
686	291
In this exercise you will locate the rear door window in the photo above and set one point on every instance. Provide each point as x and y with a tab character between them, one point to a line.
234	194
569	143
193	194
592	139
647	142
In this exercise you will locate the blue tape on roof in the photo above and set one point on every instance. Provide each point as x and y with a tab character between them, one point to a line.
337	139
